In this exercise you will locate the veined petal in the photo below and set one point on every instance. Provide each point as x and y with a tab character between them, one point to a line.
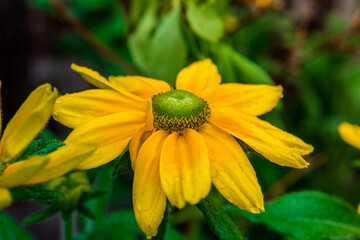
252	99
140	86
136	142
198	76
250	130
232	173
5	198
350	134
149	199
95	79
185	168
111	133
28	121
75	109
15	176
60	162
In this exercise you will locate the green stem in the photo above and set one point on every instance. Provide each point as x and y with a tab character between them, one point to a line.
68	227
219	222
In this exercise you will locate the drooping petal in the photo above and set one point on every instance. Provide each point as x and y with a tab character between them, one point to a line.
251	130
111	133
60	162
136	142
232	173
185	168
149	199
16	176
28	121
350	134
252	99
95	79
75	109
198	77
140	86
5	198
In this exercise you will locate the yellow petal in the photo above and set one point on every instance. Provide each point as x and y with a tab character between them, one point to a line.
140	86
28	121
95	79
232	173
18	173
350	134
252	131
149	199
198	76
5	198
110	133
61	162
75	109
136	142
253	99
185	168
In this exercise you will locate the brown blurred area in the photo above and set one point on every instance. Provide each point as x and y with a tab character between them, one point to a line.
28	59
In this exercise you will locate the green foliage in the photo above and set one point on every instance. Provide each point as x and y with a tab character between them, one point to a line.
36	193
41	215
10	230
204	21
219	222
123	164
307	215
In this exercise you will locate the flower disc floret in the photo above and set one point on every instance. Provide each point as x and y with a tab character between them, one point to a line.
178	110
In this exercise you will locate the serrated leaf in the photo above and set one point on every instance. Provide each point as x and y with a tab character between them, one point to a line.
42	215
218	220
307	215
123	164
234	67
10	230
204	21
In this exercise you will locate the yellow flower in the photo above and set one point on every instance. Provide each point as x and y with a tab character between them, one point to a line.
26	124
182	140
350	134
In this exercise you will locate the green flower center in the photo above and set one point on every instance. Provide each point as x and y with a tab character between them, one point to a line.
178	110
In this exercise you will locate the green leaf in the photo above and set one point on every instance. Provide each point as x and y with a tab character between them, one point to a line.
36	193
307	215
160	55
123	164
234	67
167	52
41	215
86	212
172	234
10	230
204	21
356	163
218	220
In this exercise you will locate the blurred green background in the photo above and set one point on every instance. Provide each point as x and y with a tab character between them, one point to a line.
309	47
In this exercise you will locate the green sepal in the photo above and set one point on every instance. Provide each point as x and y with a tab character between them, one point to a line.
37	194
41	215
123	164
218	220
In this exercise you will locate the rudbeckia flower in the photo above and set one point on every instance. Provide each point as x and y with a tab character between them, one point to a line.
350	134
28	121
182	140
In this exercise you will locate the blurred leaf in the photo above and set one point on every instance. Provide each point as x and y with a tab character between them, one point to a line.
218	220
307	215
42	215
162	55
10	230
123	164
86	212
173	234
204	21
117	225
356	163
234	67
36	193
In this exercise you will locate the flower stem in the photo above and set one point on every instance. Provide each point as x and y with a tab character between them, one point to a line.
68	227
219	222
